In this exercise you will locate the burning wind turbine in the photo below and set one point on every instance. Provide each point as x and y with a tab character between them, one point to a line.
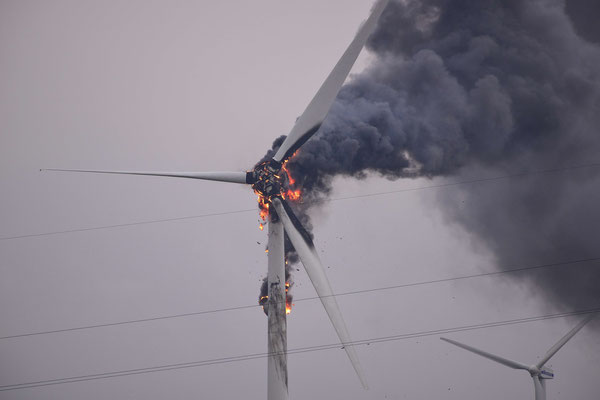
274	186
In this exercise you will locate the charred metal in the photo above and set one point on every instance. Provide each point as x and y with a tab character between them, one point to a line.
267	179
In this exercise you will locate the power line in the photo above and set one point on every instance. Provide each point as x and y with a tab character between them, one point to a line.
442	185
155	221
400	286
246	357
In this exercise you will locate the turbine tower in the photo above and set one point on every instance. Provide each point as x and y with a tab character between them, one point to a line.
270	182
539	371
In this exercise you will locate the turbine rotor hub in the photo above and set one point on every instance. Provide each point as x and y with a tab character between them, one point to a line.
534	370
268	180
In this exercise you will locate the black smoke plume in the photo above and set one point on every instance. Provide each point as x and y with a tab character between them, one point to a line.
481	88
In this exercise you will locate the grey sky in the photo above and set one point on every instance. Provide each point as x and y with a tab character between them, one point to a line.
201	86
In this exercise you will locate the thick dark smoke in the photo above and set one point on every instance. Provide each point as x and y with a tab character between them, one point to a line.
584	14
481	88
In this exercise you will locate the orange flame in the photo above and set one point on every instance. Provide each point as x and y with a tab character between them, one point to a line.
290	179
264	210
288	303
293	194
288	300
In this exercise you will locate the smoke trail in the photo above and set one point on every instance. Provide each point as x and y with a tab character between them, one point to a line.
462	86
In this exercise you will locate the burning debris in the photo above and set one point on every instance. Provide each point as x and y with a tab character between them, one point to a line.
264	292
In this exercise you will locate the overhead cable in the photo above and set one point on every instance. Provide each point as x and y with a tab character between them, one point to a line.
252	356
349	293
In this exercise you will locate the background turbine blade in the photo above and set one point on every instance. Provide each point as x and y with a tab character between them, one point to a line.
493	357
316	111
306	251
539	390
232	177
564	340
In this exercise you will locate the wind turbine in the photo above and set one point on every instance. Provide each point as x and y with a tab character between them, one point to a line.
539	371
270	181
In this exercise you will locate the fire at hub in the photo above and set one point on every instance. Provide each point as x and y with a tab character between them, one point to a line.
272	179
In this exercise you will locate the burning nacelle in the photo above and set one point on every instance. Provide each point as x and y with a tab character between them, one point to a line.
266	179
271	179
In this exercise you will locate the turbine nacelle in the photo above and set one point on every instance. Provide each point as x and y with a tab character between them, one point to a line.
546	373
543	372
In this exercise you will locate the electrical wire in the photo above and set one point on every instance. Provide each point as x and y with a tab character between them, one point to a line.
154	221
363	291
246	357
442	185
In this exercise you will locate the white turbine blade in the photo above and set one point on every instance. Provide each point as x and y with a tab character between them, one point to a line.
306	251
538	387
493	357
316	111
233	177
564	340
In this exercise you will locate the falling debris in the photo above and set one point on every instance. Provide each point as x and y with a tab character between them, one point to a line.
263	297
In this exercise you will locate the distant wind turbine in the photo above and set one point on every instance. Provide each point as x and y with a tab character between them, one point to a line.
539	371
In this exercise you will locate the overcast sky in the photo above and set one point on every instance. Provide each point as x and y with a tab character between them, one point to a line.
195	86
